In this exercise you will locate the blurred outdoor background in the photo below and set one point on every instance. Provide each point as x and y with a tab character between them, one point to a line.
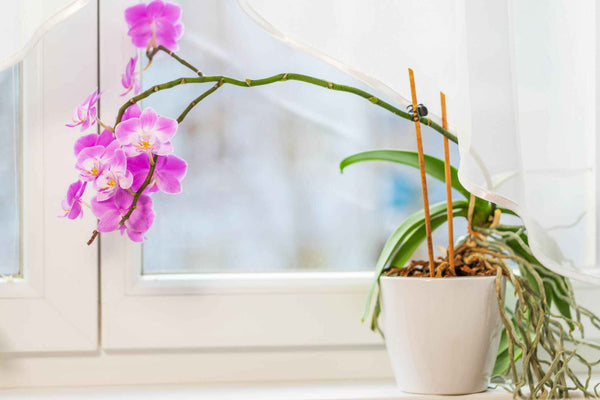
263	190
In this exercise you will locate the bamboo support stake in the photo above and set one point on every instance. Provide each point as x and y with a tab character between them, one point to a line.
417	122
448	187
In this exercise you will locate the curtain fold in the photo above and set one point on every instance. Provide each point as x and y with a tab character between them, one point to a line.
24	22
520	82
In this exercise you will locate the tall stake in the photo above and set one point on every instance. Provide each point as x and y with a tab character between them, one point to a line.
417	121
448	188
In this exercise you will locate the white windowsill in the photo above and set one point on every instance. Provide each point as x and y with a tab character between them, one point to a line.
385	390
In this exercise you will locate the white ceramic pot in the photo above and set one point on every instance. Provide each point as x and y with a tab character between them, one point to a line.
441	334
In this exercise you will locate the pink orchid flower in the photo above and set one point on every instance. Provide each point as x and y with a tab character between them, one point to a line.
114	175
111	211
154	24
92	161
85	113
93	139
71	204
106	137
149	134
133	111
168	173
129	79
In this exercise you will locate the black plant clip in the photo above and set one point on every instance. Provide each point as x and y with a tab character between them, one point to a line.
419	113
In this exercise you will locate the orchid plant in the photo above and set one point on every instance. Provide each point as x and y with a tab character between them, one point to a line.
134	158
130	160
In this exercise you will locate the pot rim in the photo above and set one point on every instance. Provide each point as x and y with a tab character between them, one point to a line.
444	279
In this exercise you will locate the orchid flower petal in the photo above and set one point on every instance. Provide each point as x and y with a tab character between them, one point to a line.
165	128
135	13
164	149
126	130
109	221
173	165
154	24
84	114
168	183
133	111
148	120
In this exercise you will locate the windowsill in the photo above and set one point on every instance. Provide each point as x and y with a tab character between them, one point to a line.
385	390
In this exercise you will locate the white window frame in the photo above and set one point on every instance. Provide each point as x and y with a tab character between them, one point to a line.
51	305
214	310
197	328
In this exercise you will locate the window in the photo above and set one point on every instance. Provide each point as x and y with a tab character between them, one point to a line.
10	171
268	245
259	269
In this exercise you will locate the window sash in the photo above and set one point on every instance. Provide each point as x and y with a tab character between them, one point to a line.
214	310
53	305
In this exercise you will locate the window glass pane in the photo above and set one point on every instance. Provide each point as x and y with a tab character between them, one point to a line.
10	170
263	190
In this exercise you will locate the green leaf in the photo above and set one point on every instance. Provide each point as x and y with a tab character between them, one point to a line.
418	236
433	166
507	211
413	240
375	319
397	238
503	345
563	307
503	359
502	363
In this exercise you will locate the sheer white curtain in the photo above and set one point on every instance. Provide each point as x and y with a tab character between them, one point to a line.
520	79
24	22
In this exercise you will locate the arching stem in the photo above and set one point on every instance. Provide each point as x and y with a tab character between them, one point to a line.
247	83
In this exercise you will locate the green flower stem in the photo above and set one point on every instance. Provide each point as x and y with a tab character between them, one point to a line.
176	57
198	100
221	80
374	99
139	192
282	78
